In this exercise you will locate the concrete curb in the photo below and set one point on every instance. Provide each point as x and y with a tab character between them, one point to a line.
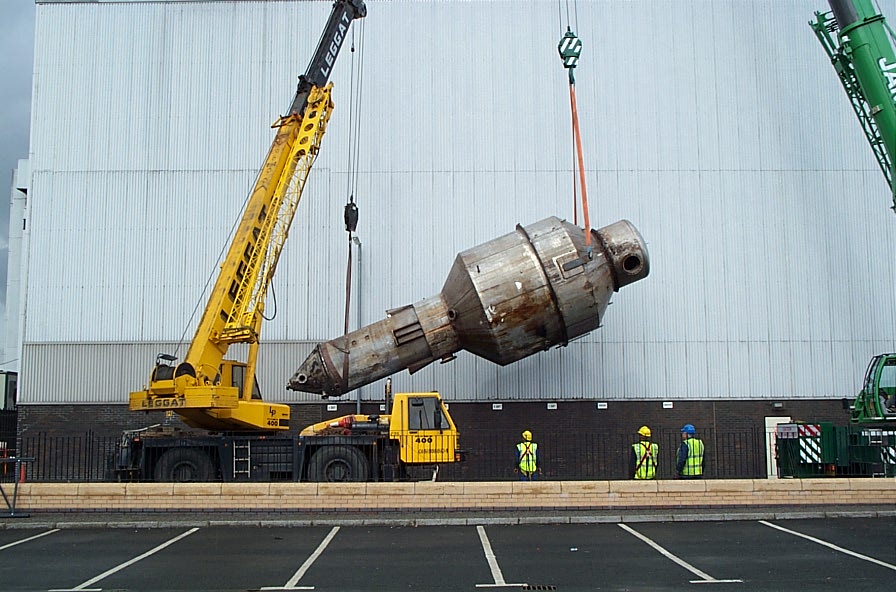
476	519
422	499
177	505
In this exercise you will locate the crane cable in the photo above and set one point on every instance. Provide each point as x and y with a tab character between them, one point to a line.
575	187
350	213
570	48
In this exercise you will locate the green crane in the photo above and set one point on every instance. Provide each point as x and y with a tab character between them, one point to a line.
860	44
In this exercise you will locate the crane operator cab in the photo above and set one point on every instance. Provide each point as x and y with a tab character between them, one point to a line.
877	399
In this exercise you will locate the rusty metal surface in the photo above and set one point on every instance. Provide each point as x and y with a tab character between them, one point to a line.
527	291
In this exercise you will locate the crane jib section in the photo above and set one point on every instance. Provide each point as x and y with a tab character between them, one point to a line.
265	237
236	304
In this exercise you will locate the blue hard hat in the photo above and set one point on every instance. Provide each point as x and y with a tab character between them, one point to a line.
688	429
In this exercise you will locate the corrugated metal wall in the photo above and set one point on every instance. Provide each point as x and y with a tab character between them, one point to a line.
717	127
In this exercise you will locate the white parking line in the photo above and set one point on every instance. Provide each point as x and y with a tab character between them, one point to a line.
705	578
83	587
830	545
493	563
291	584
37	536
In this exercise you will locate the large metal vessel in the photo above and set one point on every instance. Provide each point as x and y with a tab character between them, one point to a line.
525	292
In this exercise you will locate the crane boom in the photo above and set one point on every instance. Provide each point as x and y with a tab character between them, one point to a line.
206	390
331	40
859	43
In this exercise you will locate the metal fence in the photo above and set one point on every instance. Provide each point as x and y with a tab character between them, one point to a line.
605	455
83	458
8	428
826	450
490	456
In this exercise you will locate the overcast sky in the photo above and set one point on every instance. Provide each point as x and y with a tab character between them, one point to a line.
16	64
16	61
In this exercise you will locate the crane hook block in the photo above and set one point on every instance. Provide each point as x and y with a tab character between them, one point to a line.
570	47
350	215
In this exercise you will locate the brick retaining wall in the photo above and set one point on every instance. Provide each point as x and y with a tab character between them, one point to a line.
577	440
428	496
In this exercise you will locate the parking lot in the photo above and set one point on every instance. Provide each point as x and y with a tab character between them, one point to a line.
846	554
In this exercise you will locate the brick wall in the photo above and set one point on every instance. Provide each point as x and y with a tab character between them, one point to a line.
576	441
569	417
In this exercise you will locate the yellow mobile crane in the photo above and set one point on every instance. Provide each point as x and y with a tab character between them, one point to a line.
240	436
205	389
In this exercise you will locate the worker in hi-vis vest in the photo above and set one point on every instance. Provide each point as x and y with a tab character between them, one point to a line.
690	455
644	456
527	457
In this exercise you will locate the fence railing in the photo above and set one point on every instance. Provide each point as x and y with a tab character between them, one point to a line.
82	458
8	421
605	455
490	456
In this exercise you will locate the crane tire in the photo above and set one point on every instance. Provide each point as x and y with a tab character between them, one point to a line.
184	465
338	463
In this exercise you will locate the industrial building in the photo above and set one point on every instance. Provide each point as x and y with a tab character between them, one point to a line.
717	128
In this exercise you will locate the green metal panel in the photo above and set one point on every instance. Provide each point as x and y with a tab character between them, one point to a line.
822	449
801	451
840	440
830	449
872	450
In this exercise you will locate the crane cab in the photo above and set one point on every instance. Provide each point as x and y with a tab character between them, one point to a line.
422	426
226	403
877	398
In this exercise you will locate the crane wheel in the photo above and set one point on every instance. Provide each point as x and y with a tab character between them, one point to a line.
184	465
338	463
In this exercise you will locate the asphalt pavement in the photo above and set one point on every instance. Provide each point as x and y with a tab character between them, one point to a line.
797	554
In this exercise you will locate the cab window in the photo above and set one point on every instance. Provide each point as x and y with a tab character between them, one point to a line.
238	378
887	382
425	413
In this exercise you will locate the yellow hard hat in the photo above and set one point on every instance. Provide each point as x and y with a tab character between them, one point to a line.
527	435
644	431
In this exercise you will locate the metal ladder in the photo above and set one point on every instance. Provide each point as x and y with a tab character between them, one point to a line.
242	458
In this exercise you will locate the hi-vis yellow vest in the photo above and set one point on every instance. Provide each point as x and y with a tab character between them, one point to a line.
694	464
526	452
645	459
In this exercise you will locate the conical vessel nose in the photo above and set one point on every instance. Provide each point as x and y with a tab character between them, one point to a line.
312	377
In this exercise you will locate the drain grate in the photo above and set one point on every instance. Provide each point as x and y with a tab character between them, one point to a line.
539	587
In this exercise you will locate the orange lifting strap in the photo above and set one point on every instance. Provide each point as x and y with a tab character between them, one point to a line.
570	48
